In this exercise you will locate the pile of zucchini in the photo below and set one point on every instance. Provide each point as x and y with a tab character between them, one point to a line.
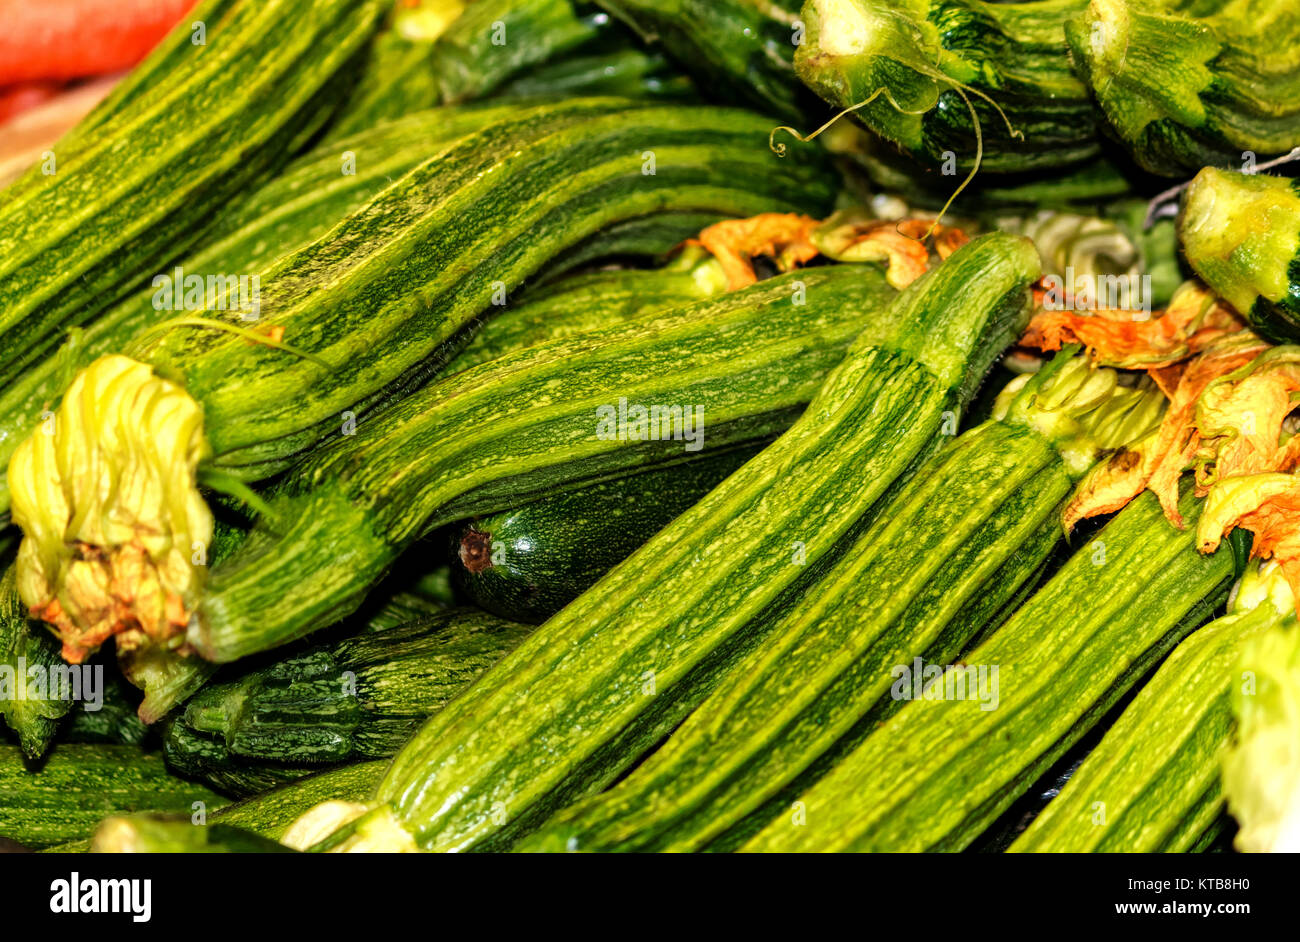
541	425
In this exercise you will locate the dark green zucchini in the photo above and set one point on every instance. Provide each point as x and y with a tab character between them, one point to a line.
25	644
588	692
286	213
1184	84
359	698
78	785
1241	234
925	54
738	50
76	233
525	425
1152	784
475	52
271	813
940	770
986	511
631	72
527	564
582	303
408	272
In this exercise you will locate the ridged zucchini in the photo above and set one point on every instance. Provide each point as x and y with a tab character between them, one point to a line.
270	813
923	51
741	50
477	50
581	303
167	834
1241	234
631	72
986	510
1184	84
600	682
358	698
939	771
528	563
80	784
25	644
289	211
1152	784
71	239
750	359
407	272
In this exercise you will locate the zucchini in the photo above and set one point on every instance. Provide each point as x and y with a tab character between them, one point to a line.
163	834
72	239
1152	783
581	303
1260	767
388	323
738	50
80	784
1241	235
750	359
924	52
270	813
939	771
1187	84
24	644
615	670
987	511
473	53
285	214
358	698
630	72
528	563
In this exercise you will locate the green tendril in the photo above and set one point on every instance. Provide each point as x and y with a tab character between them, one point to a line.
244	332
223	482
933	73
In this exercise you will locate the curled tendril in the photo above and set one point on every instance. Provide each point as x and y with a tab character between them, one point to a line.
779	148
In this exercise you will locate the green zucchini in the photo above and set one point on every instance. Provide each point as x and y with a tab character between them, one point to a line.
1241	234
615	670
80	784
926	54
1185	84
738	50
1152	783
290	211
164	834
528	563
581	303
631	72
476	51
388	323
25	644
987	512
358	698
750	360
75	234
939	771
270	813
1260	767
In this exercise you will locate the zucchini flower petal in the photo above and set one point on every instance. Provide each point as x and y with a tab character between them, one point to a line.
785	237
105	493
1194	319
